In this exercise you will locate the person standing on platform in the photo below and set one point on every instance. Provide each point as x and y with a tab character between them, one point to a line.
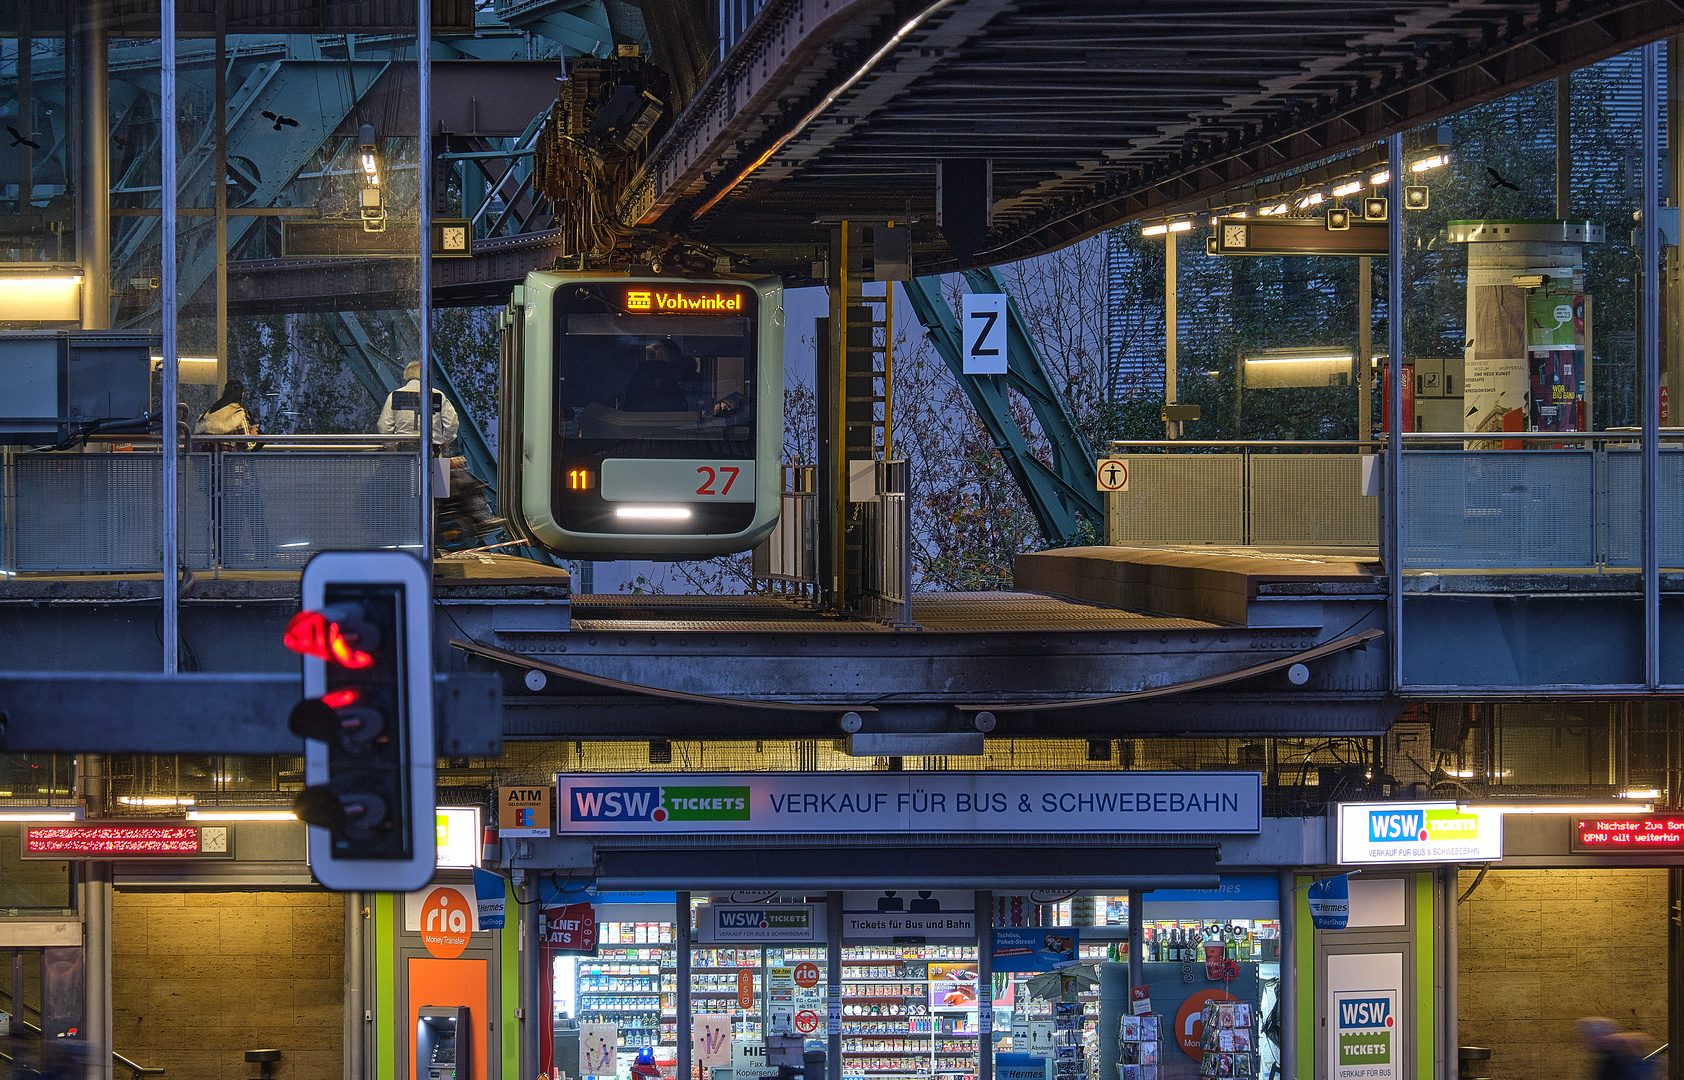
398	414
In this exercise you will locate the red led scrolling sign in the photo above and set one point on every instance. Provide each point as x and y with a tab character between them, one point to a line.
1634	834
97	840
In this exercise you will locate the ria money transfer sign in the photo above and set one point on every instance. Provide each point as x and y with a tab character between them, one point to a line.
866	802
1417	832
1365	1035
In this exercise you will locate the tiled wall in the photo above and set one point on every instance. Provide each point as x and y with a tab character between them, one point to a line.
1541	948
200	978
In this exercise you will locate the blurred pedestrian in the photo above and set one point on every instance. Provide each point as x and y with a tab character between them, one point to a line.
1615	1054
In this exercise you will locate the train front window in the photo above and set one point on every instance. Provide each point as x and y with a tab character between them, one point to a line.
655	385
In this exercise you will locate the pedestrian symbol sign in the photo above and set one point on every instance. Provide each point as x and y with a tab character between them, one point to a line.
1113	474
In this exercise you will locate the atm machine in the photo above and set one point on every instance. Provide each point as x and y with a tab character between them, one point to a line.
441	1042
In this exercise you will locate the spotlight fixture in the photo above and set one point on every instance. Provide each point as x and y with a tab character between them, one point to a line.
1415	197
1155	230
1314	198
1433	162
1180	226
1338	219
1348	188
1374	209
1384	176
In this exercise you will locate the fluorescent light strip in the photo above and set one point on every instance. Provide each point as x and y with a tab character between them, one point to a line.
214	814
1347	189
1297	359
652	513
1154	230
1384	176
43	814
1519	807
156	800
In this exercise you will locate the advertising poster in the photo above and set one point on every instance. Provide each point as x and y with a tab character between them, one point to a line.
710	1039
1364	1017
727	923
1034	948
1496	395
571	928
597	1049
1558	387
953	986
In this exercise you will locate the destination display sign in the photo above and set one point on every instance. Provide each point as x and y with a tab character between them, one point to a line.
649	299
876	803
1637	834
120	841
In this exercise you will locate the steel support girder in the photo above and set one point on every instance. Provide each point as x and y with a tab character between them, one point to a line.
1027	372
1051	496
153	713
555	716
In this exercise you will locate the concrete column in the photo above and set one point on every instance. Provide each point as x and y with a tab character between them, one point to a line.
985	985
681	943
1172	428
833	983
531	975
354	1001
93	164
94	899
1287	992
1451	887
1494	377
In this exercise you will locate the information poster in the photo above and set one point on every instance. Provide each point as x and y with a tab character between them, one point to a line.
597	1053
1365	1021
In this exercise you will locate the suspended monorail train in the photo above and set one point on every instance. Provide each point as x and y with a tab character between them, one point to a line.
642	414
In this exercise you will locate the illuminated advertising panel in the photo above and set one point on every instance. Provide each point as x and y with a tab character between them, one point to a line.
1417	832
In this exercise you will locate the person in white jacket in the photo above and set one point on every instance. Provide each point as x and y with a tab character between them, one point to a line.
397	416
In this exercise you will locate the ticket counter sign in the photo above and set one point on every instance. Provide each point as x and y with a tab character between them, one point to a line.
525	811
1417	832
888	803
760	923
1365	1035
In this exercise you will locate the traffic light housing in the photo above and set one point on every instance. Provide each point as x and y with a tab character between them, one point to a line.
365	634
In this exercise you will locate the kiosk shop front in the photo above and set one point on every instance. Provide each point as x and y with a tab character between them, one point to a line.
920	925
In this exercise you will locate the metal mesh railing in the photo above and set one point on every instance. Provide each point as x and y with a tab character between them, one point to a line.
101	512
262	510
787	560
1499	508
277	510
1242	492
887	559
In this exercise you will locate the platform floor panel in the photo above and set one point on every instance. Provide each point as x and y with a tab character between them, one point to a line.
979	612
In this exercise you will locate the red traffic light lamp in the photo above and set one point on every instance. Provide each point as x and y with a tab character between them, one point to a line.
366	719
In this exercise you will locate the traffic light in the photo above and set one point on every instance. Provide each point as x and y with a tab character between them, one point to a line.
367	720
